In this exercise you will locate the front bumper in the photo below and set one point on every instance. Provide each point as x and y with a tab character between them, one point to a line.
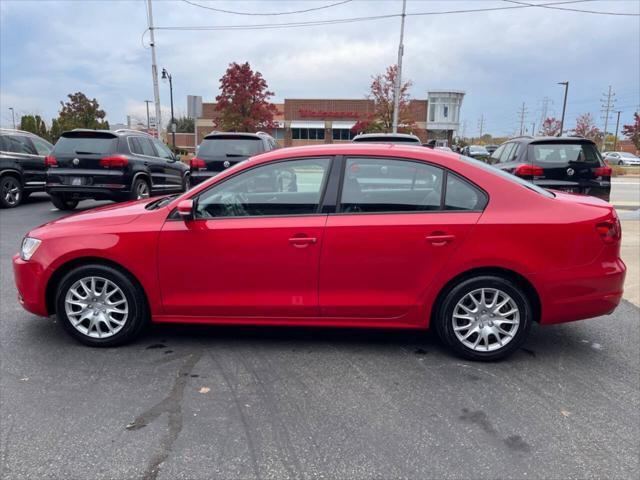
30	282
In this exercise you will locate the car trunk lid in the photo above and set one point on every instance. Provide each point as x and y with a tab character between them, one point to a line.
83	150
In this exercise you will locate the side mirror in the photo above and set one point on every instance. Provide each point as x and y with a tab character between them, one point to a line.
185	209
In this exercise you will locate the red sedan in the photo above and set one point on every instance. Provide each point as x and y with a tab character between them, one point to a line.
356	235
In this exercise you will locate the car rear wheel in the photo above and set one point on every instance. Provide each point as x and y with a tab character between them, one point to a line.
140	189
101	306
620	162
63	203
11	193
484	318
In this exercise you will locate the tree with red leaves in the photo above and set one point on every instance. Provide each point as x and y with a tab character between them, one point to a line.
632	132
382	89
550	127
243	103
586	127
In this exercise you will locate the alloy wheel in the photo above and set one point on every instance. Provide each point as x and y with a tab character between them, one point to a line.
486	319
11	191
96	307
142	190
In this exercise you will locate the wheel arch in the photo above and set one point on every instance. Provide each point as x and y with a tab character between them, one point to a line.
13	172
520	280
62	270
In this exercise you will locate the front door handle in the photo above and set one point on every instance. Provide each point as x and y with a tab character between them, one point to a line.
438	239
302	241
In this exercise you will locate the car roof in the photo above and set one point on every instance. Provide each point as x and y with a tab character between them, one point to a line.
390	136
237	134
15	131
119	132
546	139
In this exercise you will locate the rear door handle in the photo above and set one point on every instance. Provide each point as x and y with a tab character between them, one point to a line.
302	241
439	239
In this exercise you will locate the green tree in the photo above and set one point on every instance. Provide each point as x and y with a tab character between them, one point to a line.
78	112
185	125
34	124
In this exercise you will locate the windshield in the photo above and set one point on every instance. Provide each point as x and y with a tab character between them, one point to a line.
229	147
507	176
627	155
161	202
75	145
563	153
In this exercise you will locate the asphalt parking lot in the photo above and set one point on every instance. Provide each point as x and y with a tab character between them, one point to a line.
242	403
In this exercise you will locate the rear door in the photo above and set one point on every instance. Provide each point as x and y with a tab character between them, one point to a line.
22	149
394	231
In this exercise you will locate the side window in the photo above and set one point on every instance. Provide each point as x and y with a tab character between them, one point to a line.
134	145
19	144
388	185
285	188
461	195
146	147
43	148
495	156
505	156
163	151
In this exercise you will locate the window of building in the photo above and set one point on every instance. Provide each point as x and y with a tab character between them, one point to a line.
432	112
285	188
342	134
445	111
278	133
307	133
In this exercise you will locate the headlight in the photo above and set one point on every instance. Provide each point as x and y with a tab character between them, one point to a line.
29	247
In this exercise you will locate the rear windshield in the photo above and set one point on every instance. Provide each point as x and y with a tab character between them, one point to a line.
230	147
563	153
507	176
79	144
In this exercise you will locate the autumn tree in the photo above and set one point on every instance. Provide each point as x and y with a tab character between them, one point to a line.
550	127
34	124
632	132
243	103
78	112
586	127
382	93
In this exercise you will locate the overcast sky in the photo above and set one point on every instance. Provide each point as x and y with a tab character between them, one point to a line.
500	58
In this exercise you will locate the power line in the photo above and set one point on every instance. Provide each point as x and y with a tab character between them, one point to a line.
268	26
261	14
595	12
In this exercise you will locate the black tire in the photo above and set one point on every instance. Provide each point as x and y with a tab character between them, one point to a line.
444	320
11	191
186	182
63	203
620	162
138	312
140	188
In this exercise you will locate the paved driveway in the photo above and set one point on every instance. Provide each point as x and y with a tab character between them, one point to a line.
243	403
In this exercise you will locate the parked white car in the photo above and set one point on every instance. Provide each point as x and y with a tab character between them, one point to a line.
621	158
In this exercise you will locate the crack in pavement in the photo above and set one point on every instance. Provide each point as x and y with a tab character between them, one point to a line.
172	406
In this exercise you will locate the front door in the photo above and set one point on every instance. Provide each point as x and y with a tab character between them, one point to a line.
171	171
253	249
393	233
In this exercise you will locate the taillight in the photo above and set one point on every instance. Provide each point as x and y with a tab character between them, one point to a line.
114	161
197	163
527	170
609	231
602	172
50	161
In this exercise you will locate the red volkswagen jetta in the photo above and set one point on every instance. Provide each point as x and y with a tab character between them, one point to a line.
336	235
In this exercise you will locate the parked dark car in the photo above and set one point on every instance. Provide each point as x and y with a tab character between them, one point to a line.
22	169
572	164
114	165
491	148
476	151
221	150
400	138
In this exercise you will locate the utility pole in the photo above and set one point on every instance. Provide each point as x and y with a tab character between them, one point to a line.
544	111
606	107
615	139
396	92
148	124
481	125
564	105
523	113
533	129
154	69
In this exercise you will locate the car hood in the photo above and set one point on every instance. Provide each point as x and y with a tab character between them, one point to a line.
117	214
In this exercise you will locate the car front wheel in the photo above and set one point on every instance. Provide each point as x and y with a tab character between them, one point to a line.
484	318
101	306
62	203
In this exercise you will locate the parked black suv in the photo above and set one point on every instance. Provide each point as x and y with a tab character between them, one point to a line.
219	151
572	164
113	165
22	169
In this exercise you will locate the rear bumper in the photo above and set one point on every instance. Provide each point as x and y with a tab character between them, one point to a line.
579	293
30	281
93	183
599	189
197	177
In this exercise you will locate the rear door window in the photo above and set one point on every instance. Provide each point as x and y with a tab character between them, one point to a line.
506	154
495	156
147	147
18	144
461	195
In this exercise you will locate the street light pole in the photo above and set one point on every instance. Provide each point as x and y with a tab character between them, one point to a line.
396	90
154	69
167	75
148	123
615	139
564	105
13	117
